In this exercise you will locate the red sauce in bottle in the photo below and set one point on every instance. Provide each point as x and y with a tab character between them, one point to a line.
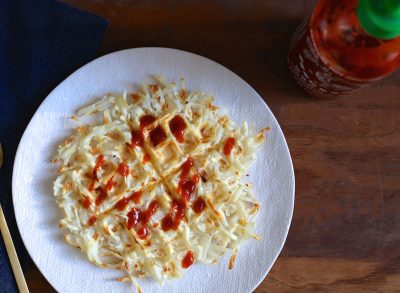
92	220
229	143
102	195
188	260
175	216
199	205
121	204
178	126
123	169
157	135
346	47
86	202
146	120
331	54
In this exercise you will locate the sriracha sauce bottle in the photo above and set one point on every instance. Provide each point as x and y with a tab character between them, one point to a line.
344	45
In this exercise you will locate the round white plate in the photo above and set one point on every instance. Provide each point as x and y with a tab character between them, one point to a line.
37	214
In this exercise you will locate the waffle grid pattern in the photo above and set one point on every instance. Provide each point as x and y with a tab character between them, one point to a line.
231	206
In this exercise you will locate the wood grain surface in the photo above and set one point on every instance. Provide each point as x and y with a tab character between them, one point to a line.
345	233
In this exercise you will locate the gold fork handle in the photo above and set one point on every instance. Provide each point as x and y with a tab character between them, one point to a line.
12	254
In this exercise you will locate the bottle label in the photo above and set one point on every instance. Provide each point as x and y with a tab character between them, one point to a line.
310	71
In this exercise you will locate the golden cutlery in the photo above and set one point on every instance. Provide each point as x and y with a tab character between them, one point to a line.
12	254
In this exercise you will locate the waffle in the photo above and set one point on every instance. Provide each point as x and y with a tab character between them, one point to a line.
156	185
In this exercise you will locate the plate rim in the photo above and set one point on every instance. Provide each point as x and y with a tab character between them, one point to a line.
23	137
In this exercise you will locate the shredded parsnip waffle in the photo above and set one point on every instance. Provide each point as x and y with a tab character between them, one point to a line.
156	185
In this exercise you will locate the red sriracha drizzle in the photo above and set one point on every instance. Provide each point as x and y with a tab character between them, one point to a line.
136	196
137	138
199	205
133	217
142	232
92	220
102	195
110	184
137	216
175	216
196	178
146	158
99	162
91	186
151	209
86	202
123	169
185	169
187	189
157	135
187	260
146	120
230	142
186	186
177	126
137	135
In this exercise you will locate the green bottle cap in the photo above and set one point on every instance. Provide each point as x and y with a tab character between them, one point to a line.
380	18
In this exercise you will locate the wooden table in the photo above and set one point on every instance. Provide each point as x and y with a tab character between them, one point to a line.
345	233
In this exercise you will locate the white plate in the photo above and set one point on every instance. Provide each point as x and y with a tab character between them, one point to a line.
37	214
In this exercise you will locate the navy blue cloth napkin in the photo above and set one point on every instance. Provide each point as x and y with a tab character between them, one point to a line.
41	43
